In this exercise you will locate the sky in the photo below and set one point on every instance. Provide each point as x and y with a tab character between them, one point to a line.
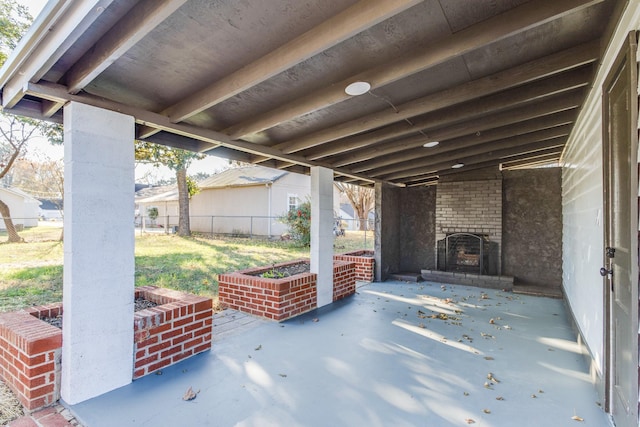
40	149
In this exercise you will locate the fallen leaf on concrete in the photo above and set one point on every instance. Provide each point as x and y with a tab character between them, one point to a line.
486	411
577	418
283	375
499	398
258	347
470	421
492	378
533	396
190	394
488	358
466	393
316	319
491	321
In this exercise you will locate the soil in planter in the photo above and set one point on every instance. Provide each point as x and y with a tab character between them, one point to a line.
285	271
140	304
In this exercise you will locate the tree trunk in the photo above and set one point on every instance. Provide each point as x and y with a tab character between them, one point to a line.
362	219
8	223
184	228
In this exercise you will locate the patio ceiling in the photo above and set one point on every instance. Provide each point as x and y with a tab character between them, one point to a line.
495	82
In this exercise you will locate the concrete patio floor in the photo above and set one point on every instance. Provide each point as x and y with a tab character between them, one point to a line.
394	354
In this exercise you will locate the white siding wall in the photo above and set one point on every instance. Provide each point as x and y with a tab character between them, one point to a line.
582	189
23	212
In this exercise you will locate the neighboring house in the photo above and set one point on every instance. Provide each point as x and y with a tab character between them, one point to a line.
23	207
242	201
164	198
50	209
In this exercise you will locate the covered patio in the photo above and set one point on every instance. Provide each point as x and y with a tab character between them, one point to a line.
513	123
394	354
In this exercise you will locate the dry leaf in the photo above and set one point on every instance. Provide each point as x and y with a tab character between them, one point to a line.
283	375
190	394
466	393
533	396
487	385
316	319
499	398
488	358
491	321
486	411
492	378
421	325
258	347
577	418
470	421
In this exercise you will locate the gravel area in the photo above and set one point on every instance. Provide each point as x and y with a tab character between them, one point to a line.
140	304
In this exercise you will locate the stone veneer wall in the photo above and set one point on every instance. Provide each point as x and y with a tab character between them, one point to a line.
417	226
532	240
470	203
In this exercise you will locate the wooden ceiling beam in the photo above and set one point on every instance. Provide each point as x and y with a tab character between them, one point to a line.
544	156
351	21
516	20
531	71
387	157
412	170
143	18
509	143
497	126
208	139
556	84
531	162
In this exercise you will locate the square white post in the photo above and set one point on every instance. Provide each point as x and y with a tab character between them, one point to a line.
322	232
99	265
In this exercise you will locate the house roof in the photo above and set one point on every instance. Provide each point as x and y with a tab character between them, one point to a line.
166	193
20	193
495	82
243	177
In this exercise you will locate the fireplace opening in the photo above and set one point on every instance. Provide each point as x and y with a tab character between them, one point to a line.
468	253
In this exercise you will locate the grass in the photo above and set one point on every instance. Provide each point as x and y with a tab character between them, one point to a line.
32	271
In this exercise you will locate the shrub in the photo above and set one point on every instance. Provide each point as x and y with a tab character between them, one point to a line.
298	221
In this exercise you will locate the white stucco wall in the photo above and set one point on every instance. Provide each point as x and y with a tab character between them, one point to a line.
582	192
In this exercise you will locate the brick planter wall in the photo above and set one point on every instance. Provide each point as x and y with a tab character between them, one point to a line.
30	353
179	327
344	279
364	261
280	299
30	349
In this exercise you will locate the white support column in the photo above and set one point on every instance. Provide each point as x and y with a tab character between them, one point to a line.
97	333
322	232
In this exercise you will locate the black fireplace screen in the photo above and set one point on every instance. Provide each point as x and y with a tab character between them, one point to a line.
467	253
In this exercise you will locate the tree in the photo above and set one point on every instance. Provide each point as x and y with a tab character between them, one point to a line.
15	131
179	161
362	200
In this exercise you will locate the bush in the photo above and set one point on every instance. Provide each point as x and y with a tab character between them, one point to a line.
298	221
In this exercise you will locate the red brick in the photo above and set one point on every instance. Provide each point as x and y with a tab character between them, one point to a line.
158	347
146	361
169	352
161	364
171	334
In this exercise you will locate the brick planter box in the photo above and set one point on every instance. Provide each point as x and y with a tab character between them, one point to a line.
364	263
30	348
177	328
281	299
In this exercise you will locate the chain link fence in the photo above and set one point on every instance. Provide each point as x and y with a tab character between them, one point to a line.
347	233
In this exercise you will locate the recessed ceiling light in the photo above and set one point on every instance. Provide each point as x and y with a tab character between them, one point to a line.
457	165
430	144
357	88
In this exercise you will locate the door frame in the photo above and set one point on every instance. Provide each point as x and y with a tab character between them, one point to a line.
627	53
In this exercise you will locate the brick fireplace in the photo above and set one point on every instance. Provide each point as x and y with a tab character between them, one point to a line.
473	206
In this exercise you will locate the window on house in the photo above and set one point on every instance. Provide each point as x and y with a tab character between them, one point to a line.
292	202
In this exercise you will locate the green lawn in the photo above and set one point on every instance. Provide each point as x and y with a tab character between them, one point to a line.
31	272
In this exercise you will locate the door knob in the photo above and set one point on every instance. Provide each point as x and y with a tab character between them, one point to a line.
604	272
